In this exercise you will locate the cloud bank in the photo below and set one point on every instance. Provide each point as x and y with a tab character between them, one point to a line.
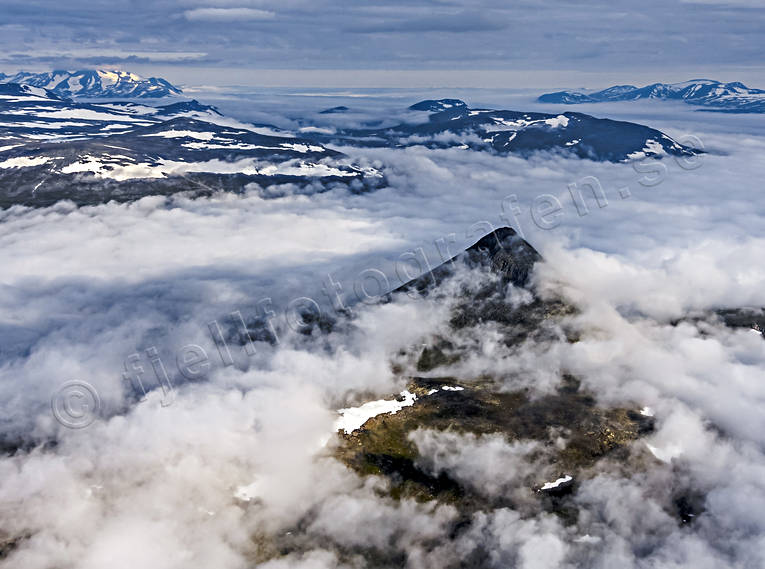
233	472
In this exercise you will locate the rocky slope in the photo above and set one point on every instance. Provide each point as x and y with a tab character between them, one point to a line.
573	436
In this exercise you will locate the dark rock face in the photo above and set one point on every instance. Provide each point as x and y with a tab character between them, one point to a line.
752	318
503	250
510	260
510	256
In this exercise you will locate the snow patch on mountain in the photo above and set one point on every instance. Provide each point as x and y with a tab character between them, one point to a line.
96	84
24	162
730	97
121	171
353	418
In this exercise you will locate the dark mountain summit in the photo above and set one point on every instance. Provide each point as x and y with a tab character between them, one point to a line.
334	110
503	251
438	106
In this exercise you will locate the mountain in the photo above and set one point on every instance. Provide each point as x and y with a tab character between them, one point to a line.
451	123
502	251
379	438
568	437
16	92
30	114
438	106
730	97
53	149
335	110
96	84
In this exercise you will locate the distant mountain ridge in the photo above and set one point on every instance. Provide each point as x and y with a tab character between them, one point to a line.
729	97
95	84
451	123
53	148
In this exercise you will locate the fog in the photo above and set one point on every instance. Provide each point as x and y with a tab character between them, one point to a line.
154	480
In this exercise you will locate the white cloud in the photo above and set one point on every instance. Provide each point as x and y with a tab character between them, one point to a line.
105	53
227	14
82	288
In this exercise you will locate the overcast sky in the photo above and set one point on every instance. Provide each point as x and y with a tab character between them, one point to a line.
229	41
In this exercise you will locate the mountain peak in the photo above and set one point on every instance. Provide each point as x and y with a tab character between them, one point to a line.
96	84
501	250
335	110
730	97
436	106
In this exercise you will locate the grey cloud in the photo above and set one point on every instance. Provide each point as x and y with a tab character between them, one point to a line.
462	22
227	14
549	35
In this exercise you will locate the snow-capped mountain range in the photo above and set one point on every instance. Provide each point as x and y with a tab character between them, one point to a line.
30	114
729	97
451	123
95	84
53	148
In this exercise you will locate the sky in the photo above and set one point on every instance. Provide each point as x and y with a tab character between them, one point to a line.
482	43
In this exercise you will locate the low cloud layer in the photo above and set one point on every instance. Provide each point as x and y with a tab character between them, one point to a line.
234	464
